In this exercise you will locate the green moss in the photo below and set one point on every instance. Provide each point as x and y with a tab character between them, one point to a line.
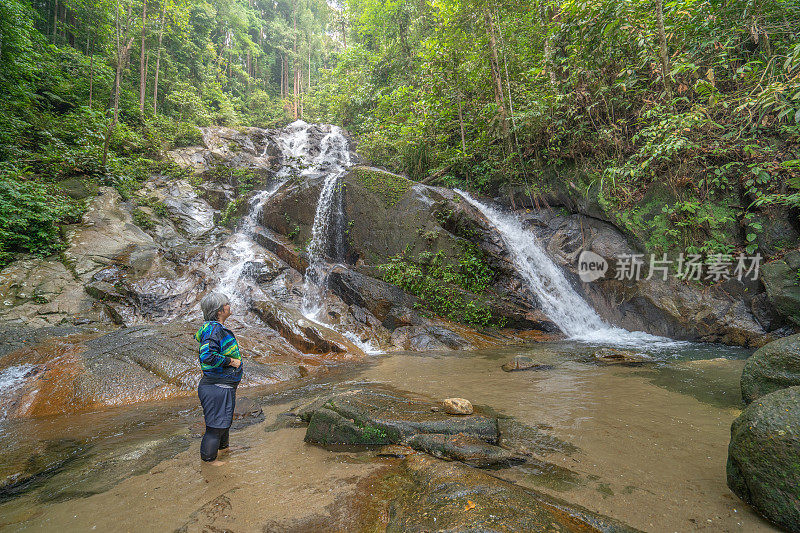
229	216
158	207
444	289
142	219
389	187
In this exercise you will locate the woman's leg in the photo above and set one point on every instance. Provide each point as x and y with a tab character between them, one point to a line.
223	439
211	443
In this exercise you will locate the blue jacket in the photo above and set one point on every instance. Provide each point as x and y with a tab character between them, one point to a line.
217	347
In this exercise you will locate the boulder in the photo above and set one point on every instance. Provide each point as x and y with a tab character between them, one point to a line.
381	415
783	285
522	362
615	356
457	406
763	455
772	367
378	297
427	338
439	496
303	334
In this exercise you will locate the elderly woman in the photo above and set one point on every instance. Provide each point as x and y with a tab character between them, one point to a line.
222	371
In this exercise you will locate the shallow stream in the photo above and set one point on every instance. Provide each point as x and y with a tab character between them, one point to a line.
647	445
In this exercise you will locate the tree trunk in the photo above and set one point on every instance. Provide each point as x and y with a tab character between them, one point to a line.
158	56
142	64
662	43
122	54
461	123
495	67
55	20
91	75
295	88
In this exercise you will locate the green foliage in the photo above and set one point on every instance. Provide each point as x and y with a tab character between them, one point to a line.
441	286
29	215
229	215
142	219
389	187
158	207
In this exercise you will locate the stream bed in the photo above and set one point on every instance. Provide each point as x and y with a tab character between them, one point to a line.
647	446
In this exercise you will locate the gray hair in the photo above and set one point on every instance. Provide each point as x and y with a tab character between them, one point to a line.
212	303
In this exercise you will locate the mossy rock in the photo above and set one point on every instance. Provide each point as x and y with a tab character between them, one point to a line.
782	281
389	187
381	415
772	367
764	457
427	494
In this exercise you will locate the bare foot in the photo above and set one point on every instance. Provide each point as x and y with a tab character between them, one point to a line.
216	462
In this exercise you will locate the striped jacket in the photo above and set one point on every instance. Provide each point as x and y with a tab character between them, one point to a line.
217	347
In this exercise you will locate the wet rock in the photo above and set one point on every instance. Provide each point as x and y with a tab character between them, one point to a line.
382	415
465	448
108	235
772	367
439	496
40	292
378	297
283	249
87	370
306	336
521	362
783	289
615	356
427	338
763	457
192	214
395	450
457	406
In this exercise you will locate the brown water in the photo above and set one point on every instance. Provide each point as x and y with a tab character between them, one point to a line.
651	447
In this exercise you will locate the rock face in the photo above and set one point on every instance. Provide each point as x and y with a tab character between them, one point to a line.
722	313
438	496
783	285
88	369
763	457
772	367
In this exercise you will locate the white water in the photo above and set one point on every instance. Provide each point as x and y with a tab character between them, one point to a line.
560	302
293	142
10	380
333	160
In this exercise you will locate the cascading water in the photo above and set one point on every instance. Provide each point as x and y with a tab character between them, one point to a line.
333	160
293	143
560	302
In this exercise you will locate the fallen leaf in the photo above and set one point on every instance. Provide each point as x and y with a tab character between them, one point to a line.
470	505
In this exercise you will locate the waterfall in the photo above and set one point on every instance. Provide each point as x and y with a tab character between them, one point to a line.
333	161
560	302
293	143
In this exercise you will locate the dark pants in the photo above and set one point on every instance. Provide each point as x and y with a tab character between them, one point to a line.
214	439
218	401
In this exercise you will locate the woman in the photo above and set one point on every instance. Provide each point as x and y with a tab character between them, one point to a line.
222	371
